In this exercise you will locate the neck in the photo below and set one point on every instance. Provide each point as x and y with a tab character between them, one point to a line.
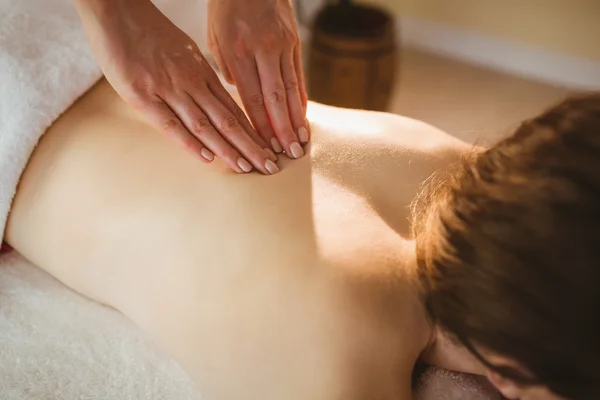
444	352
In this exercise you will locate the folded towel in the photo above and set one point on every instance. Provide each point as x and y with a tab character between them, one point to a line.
45	64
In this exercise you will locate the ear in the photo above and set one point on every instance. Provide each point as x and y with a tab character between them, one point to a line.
508	388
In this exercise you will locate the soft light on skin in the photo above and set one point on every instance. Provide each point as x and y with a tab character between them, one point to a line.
353	123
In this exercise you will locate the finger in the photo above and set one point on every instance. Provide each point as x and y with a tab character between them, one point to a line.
166	121
245	72
299	68
215	50
294	101
223	96
199	125
275	99
223	68
231	130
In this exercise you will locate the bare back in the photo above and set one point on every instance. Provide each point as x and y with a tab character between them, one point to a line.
278	279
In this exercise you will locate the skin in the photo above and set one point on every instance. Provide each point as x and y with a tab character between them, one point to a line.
261	36
159	70
295	286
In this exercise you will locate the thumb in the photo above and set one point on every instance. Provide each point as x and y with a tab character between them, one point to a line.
223	68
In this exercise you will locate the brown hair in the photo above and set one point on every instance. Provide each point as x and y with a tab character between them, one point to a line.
509	249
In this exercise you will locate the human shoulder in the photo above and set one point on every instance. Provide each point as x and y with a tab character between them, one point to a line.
380	130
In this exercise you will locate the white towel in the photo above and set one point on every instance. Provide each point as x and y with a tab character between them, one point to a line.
54	344
45	64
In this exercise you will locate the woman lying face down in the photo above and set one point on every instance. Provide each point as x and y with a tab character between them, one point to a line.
509	254
309	283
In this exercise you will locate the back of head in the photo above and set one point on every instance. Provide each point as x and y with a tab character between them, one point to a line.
509	250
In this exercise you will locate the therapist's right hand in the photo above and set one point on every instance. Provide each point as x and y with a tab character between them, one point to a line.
159	70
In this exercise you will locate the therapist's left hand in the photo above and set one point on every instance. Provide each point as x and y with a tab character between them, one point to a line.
257	48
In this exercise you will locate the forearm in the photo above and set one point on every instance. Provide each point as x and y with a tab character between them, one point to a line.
105	8
116	28
103	17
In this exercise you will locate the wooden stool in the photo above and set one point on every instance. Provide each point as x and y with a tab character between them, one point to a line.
353	57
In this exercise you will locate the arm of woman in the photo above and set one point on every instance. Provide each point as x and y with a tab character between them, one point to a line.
158	69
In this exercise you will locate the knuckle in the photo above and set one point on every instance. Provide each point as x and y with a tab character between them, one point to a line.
229	123
239	113
169	125
290	36
201	124
276	97
256	100
291	84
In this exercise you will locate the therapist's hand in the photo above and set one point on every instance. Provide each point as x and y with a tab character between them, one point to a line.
158	69
256	45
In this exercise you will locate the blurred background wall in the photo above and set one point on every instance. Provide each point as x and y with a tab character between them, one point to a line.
568	27
552	41
476	68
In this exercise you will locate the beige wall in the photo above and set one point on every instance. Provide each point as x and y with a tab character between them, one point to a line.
570	27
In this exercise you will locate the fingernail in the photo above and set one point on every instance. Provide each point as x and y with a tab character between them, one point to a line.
296	150
244	165
303	135
271	167
271	154
207	154
276	146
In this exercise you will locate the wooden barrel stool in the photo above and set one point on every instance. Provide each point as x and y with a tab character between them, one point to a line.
353	57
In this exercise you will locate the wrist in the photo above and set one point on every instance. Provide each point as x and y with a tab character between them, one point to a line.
106	9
